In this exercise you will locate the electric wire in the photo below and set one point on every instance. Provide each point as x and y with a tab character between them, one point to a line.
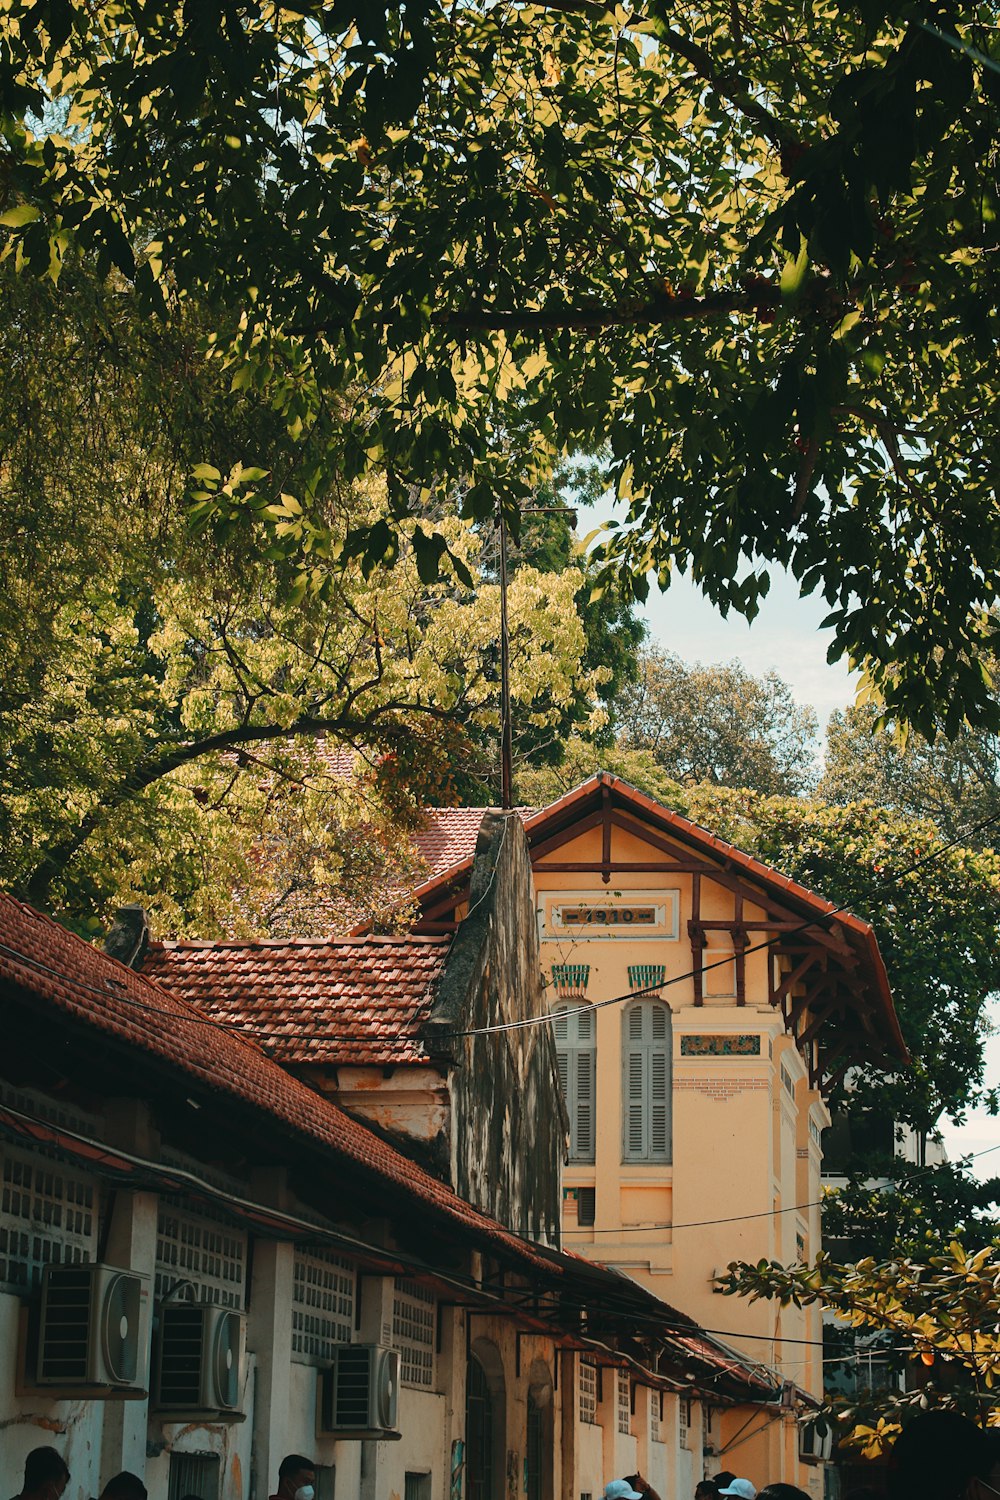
260	1036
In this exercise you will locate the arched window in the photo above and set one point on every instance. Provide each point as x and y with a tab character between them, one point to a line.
485	1418
646	1053
538	1452
576	1056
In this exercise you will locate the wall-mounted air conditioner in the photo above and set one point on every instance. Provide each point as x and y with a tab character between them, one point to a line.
815	1441
89	1327
359	1392
199	1360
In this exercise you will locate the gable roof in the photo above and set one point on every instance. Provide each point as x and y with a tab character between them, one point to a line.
604	791
344	1000
49	978
63	977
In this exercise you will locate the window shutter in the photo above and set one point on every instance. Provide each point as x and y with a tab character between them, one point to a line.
577	1064
585	1102
635	1105
646	1082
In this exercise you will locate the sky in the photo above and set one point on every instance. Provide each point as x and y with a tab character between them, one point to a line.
786	637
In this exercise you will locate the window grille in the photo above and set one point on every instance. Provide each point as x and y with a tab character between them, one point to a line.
788	1081
815	1132
193	1474
684	1419
414	1332
206	1251
322	1305
586	1206
646	976
48	1215
576	1058
646	1087
624	1403
570	980
654	1417
416	1487
588	1391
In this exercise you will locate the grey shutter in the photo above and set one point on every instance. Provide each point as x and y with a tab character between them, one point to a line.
577	1064
646	1082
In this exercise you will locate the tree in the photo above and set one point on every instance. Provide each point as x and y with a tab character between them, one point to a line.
936	914
893	1207
940	1312
536	786
753	253
719	724
955	783
165	690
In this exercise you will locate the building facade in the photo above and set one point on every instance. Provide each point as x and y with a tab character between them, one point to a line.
206	1263
701	1004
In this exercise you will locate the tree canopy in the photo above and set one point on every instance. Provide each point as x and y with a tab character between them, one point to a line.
934	1317
750	250
955	783
165	691
718	724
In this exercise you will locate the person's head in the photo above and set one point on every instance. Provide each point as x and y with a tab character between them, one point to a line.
782	1492
45	1474
739	1489
706	1489
940	1455
296	1478
620	1489
124	1486
724	1477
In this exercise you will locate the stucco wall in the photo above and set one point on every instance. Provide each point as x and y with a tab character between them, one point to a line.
508	1131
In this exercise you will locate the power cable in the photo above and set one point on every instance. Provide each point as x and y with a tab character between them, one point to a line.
626	1234
260	1036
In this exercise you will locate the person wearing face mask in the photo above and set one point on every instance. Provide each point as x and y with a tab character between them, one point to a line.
296	1478
45	1475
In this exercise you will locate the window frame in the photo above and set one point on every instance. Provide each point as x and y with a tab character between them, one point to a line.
575	1057
647	1085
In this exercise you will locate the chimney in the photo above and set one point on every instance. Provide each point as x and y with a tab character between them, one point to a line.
128	939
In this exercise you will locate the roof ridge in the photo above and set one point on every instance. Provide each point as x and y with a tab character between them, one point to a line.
427	940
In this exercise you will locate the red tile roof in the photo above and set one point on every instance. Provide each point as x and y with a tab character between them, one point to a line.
538	825
343	1000
61	973
61	976
449	834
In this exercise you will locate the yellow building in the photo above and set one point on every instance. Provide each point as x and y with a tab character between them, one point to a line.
704	1002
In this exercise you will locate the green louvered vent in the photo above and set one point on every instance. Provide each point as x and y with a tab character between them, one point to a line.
570	979
646	976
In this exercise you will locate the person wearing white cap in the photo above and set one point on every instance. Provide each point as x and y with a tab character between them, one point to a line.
620	1489
740	1489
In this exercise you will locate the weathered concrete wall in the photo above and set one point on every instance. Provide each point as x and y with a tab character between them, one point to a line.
508	1127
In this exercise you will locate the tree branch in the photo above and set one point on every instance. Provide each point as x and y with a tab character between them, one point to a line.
53	859
730	85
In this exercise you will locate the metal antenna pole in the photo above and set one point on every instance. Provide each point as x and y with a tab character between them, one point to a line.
506	746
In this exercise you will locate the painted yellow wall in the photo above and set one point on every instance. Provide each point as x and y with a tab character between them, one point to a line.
744	1152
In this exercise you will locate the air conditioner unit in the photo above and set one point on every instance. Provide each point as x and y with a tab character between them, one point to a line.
198	1358
89	1327
815	1442
359	1392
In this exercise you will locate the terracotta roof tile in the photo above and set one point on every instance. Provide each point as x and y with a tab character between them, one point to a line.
62	973
449	834
342	1000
